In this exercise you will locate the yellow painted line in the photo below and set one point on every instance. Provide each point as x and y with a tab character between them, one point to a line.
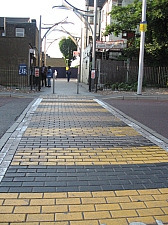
84	131
75	208
90	156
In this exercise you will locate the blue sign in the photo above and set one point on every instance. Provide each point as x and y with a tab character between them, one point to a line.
22	69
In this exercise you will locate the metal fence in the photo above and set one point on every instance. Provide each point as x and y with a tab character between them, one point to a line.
110	72
10	77
118	71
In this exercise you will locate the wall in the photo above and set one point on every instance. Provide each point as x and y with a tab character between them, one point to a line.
14	50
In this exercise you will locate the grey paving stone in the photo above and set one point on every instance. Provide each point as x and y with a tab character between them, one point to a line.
23	179
134	187
11	184
88	178
67	178
111	187
4	189
67	189
20	190
45	179
77	183
90	188
32	184
14	174
55	184
43	189
98	182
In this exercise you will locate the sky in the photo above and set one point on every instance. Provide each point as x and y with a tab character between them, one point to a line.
34	8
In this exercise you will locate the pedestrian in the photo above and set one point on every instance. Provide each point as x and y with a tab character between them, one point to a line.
43	76
56	73
68	75
49	75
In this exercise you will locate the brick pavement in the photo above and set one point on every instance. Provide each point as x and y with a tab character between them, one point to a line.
72	162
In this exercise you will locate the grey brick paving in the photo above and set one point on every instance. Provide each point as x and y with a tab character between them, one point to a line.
95	178
76	178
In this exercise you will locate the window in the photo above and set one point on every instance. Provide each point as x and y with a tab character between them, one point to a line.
20	32
92	17
119	2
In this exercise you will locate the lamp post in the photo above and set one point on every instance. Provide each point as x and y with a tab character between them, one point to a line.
143	28
94	46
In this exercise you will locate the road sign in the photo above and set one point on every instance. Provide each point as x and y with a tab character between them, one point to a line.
93	74
36	72
23	69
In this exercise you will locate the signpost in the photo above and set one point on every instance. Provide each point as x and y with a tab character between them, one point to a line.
36	72
22	69
37	77
93	74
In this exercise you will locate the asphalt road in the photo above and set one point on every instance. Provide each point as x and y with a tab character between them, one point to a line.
10	109
151	113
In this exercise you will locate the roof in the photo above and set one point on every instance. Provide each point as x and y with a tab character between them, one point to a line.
55	62
13	20
100	3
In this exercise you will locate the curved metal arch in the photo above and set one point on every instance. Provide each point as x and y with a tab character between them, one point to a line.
75	10
62	21
75	7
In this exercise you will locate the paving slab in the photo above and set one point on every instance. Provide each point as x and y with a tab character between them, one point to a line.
72	160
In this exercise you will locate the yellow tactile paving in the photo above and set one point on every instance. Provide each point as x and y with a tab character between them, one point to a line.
85	131
90	156
82	118
108	207
74	104
71	110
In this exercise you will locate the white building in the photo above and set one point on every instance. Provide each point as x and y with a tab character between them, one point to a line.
109	43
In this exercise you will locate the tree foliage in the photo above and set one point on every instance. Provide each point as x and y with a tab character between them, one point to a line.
67	46
156	38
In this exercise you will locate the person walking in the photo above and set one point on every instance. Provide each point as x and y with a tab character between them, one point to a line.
43	76
49	75
68	75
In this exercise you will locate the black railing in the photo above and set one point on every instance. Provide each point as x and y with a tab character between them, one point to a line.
9	77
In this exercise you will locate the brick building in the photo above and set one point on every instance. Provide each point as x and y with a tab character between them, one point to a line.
18	46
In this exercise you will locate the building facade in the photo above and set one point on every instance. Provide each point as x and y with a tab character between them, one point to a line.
107	47
18	47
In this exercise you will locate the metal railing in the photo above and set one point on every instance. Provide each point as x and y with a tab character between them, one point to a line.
9	77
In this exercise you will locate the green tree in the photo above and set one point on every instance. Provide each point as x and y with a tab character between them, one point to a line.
156	39
67	46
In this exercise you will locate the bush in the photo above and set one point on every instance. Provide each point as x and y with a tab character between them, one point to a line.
124	86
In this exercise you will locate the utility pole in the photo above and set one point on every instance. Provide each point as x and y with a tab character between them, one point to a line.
143	28
94	46
39	43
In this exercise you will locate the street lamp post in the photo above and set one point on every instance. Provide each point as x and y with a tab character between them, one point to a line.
39	43
143	27
94	45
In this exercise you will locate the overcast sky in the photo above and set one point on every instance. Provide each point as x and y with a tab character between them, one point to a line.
35	8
